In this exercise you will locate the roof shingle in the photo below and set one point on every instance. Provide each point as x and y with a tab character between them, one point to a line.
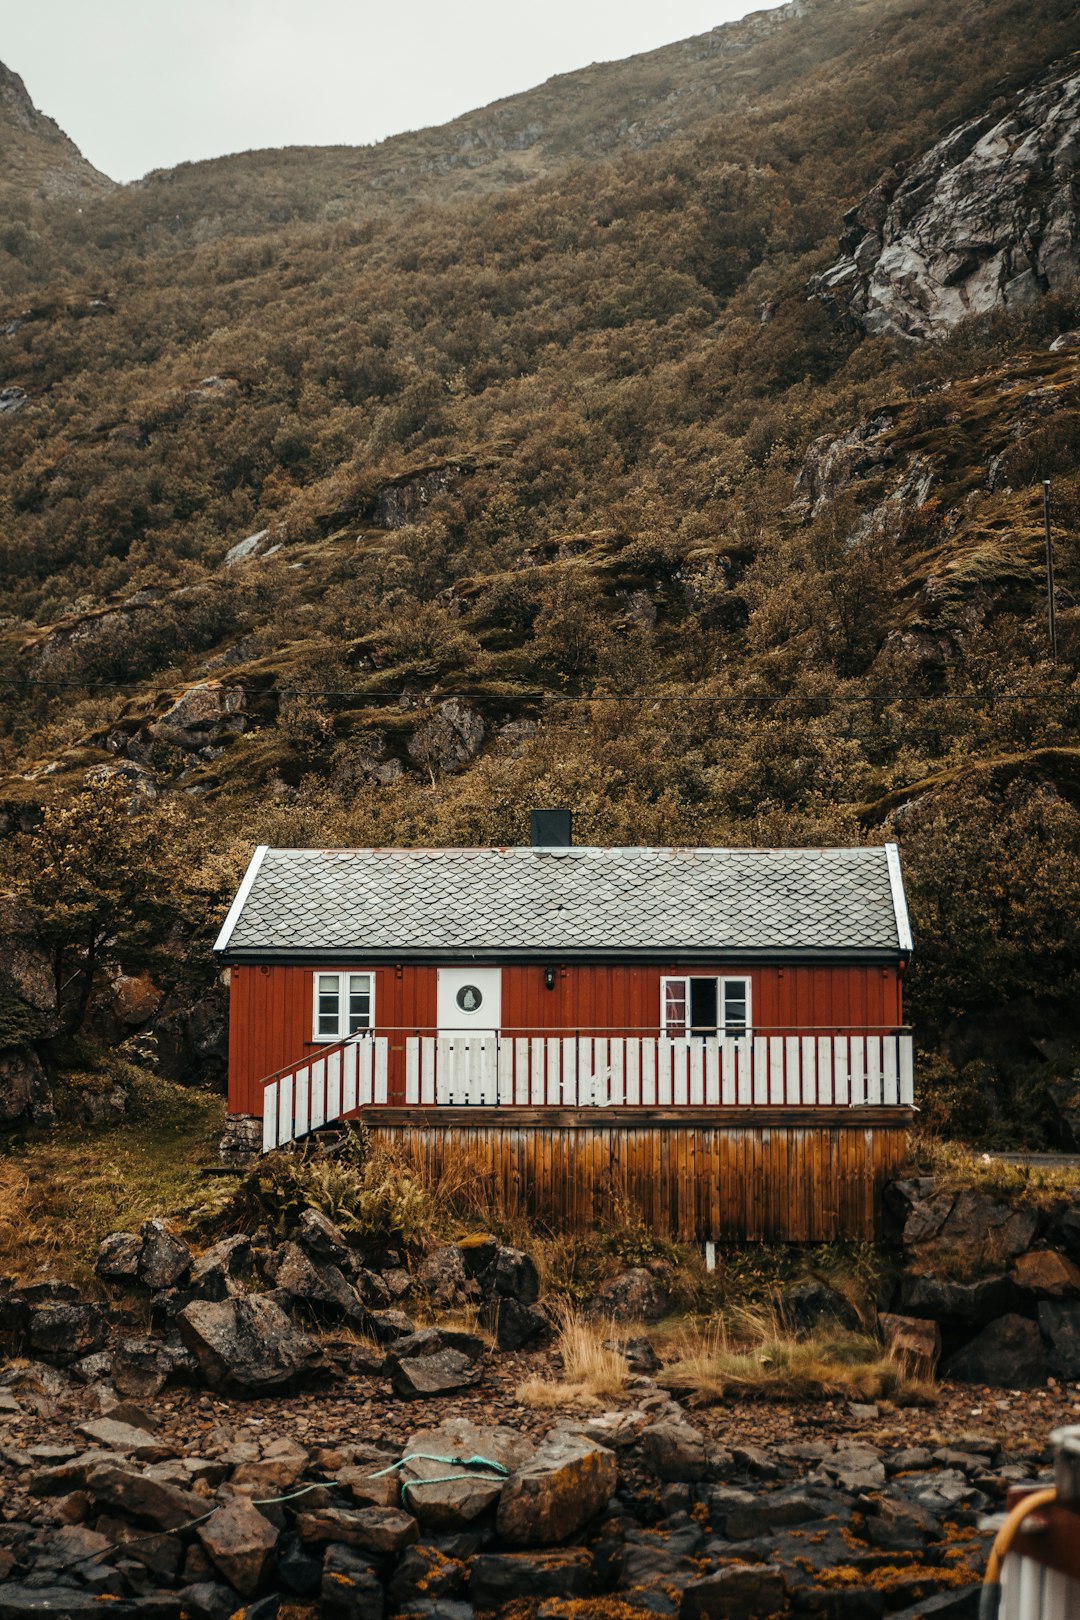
647	902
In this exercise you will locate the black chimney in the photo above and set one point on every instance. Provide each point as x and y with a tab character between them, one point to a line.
551	829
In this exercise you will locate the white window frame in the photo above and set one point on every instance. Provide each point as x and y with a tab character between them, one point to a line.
343	1004
722	981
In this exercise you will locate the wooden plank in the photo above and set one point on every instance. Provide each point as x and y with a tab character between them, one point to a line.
680	1071
633	1073
728	1074
808	1069
333	1085
648	1073
841	1083
769	1087
713	1054
663	1071
270	1117
907	1071
617	1091
429	1070
890	1079
301	1115
317	1094
697	1071
348	1079
858	1071
873	1070
286	1130
382	1069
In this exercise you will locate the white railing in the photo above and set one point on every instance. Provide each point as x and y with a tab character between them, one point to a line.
615	1071
318	1090
846	1069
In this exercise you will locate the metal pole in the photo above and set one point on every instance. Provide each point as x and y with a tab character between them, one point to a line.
1051	609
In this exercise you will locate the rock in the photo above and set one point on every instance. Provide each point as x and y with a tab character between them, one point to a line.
440	1373
216	1273
512	1275
118	1257
673	1449
1064	1229
201	716
452	1504
633	1296
207	1600
1007	1353
278	1469
164	1258
739	1592
103	1107
135	1442
248	1346
1046	1274
19	1602
566	1483
140	1368
812	1305
639	1355
444	1280
323	1240
381	1530
957	1304
350	1588
450	739
971	1223
913	1342
405	499
773	1511
424	1573
322	1287
64	1330
518	1326
856	1467
370	1488
985	220
1060	1325
391	1326
141	1497
24	1089
240	1543
499	1578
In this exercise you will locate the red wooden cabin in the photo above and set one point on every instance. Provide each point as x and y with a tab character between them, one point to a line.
551	988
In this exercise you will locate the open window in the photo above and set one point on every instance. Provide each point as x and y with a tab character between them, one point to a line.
344	1004
700	1004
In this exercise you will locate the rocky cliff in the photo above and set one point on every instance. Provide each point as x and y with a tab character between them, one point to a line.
986	219
37	160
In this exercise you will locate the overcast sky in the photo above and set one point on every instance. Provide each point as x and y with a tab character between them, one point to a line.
144	84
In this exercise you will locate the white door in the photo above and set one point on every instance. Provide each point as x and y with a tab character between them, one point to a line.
470	1014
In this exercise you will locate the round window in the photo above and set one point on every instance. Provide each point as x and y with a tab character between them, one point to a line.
469	998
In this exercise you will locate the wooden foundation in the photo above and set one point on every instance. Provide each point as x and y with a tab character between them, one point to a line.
788	1175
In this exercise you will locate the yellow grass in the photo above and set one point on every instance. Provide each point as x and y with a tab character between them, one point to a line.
748	1353
592	1374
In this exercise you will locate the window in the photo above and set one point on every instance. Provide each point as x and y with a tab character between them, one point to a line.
699	1005
344	1005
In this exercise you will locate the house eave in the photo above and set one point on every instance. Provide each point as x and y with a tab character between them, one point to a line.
659	954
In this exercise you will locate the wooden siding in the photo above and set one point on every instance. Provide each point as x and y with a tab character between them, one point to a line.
271	1007
740	1175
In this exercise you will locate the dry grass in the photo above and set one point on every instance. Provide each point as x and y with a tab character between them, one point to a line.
61	1193
592	1373
958	1167
746	1352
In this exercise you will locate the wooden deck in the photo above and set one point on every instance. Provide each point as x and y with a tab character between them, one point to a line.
798	1175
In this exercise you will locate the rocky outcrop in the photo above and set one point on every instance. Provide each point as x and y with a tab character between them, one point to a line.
986	220
202	716
450	739
405	500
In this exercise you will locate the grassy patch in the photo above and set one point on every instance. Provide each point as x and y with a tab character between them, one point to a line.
747	1353
591	1372
61	1193
958	1168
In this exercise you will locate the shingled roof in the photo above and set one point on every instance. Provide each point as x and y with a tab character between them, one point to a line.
500	904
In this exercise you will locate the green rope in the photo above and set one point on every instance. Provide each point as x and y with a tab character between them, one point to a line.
498	1473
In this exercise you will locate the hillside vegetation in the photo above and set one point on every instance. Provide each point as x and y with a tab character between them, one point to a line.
555	485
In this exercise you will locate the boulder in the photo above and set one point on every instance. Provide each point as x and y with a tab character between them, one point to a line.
811	1305
140	1368
240	1543
1046	1274
139	1496
443	1278
385	1531
1064	1229
317	1233
512	1275
1007	1353
1060	1325
248	1346
458	1495
566	1483
64	1330
118	1257
633	1296
913	1342
24	1089
424	1574
201	716
117	1436
674	1449
350	1588
501	1578
972	1223
738	1592
278	1468
450	739
440	1372
517	1326
216	1274
321	1287
957	1305
164	1258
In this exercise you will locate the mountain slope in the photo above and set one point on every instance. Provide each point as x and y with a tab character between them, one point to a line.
37	160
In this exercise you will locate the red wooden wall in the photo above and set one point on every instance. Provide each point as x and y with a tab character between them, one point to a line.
270	1008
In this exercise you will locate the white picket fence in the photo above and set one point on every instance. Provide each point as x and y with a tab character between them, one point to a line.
872	1068
320	1090
600	1071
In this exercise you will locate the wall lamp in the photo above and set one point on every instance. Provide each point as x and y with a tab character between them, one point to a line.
549	978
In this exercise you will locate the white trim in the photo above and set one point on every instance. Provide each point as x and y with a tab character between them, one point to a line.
674	978
721	1010
343	993
899	899
241	897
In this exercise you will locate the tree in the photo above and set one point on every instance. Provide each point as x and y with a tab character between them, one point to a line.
102	882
